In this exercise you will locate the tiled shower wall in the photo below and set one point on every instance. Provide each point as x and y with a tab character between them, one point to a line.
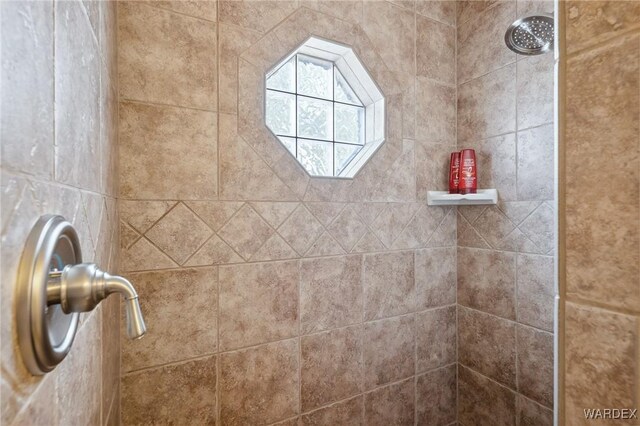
271	297
505	252
58	133
601	291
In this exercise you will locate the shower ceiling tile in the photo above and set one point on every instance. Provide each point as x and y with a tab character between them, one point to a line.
179	233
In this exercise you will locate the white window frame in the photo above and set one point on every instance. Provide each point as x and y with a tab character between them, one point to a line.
365	88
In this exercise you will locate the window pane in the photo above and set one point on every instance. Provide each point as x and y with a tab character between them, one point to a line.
289	143
343	91
349	123
316	157
344	155
315	77
284	78
315	118
281	113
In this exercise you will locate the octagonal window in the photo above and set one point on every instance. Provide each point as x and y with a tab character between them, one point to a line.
323	106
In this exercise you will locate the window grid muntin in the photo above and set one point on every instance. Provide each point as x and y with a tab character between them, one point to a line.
333	102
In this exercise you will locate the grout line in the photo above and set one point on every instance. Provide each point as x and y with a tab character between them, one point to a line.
159	104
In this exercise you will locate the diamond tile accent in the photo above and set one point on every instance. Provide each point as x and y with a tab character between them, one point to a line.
300	230
326	245
274	213
347	229
368	243
141	215
246	232
390	223
539	228
214	252
325	212
274	249
419	230
179	233
214	213
143	256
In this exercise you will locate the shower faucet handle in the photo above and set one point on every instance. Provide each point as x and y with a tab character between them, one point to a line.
81	287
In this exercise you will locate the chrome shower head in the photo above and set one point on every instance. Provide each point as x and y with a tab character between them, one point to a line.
531	35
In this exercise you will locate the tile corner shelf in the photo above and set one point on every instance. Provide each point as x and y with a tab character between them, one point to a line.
443	198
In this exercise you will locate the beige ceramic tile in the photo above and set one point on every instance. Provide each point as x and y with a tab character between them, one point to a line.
347	228
496	162
389	351
80	376
435	338
243	174
256	15
481	46
420	229
539	227
435	277
179	233
535	364
535	90
486	281
351	11
436	50
440	10
214	213
205	9
391	405
275	248
487	344
612	248
331	366
344	413
592	356
171	393
487	105
391	221
143	256
532	414
536	163
380	299
111	350
483	401
392	31
157	142
259	385
535	296
300	229
27	82
435	112
77	87
325	245
174	333
330	293
591	22
467	9
141	215
258	303
436	396
246	232
166	58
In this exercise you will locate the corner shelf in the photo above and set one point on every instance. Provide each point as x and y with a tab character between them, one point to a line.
443	198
